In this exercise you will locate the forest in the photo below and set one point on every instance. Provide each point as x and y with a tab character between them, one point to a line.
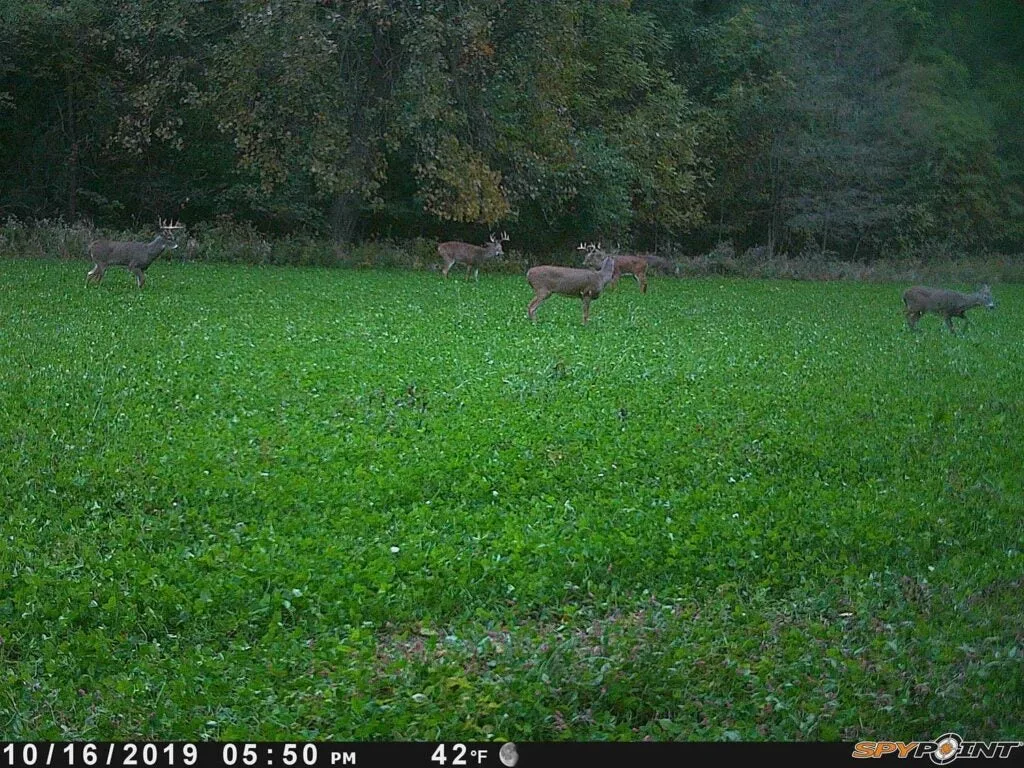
855	129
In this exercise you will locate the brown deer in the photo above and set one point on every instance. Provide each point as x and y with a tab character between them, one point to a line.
455	252
920	299
660	264
624	264
135	257
585	284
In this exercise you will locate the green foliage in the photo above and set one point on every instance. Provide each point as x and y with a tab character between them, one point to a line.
604	203
457	185
602	141
272	503
861	129
275	92
898	152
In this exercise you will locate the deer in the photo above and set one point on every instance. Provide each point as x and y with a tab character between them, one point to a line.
455	252
920	299
633	265
568	281
135	257
659	263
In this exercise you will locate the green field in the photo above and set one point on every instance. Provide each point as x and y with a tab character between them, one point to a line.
356	505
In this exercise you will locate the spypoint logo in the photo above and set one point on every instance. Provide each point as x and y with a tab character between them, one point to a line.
947	749
943	751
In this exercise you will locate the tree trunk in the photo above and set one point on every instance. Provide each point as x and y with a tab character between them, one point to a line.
72	136
344	217
73	183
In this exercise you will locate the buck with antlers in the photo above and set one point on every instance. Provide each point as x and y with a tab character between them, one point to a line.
633	265
585	284
135	257
455	252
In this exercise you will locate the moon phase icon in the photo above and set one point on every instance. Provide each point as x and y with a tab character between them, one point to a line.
508	754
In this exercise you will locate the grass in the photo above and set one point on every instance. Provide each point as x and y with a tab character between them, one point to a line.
271	503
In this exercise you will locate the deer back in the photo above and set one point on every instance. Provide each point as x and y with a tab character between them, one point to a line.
467	253
126	253
626	263
571	281
921	298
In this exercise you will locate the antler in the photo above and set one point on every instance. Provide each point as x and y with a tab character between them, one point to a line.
170	225
504	235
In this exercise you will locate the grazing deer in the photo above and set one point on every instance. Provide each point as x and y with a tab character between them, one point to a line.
633	265
920	299
568	281
136	257
455	252
663	265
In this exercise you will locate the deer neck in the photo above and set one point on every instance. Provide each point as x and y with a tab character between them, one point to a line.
968	300
155	248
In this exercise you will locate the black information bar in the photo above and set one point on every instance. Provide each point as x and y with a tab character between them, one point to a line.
232	754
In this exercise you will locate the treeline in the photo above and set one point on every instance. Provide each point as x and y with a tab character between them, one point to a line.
852	128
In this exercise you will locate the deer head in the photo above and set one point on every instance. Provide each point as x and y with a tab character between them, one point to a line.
592	254
985	294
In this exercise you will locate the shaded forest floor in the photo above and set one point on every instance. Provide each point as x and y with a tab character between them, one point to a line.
239	244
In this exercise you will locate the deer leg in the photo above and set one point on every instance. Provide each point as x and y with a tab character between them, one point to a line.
140	276
586	309
912	318
476	274
642	279
445	268
538	299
